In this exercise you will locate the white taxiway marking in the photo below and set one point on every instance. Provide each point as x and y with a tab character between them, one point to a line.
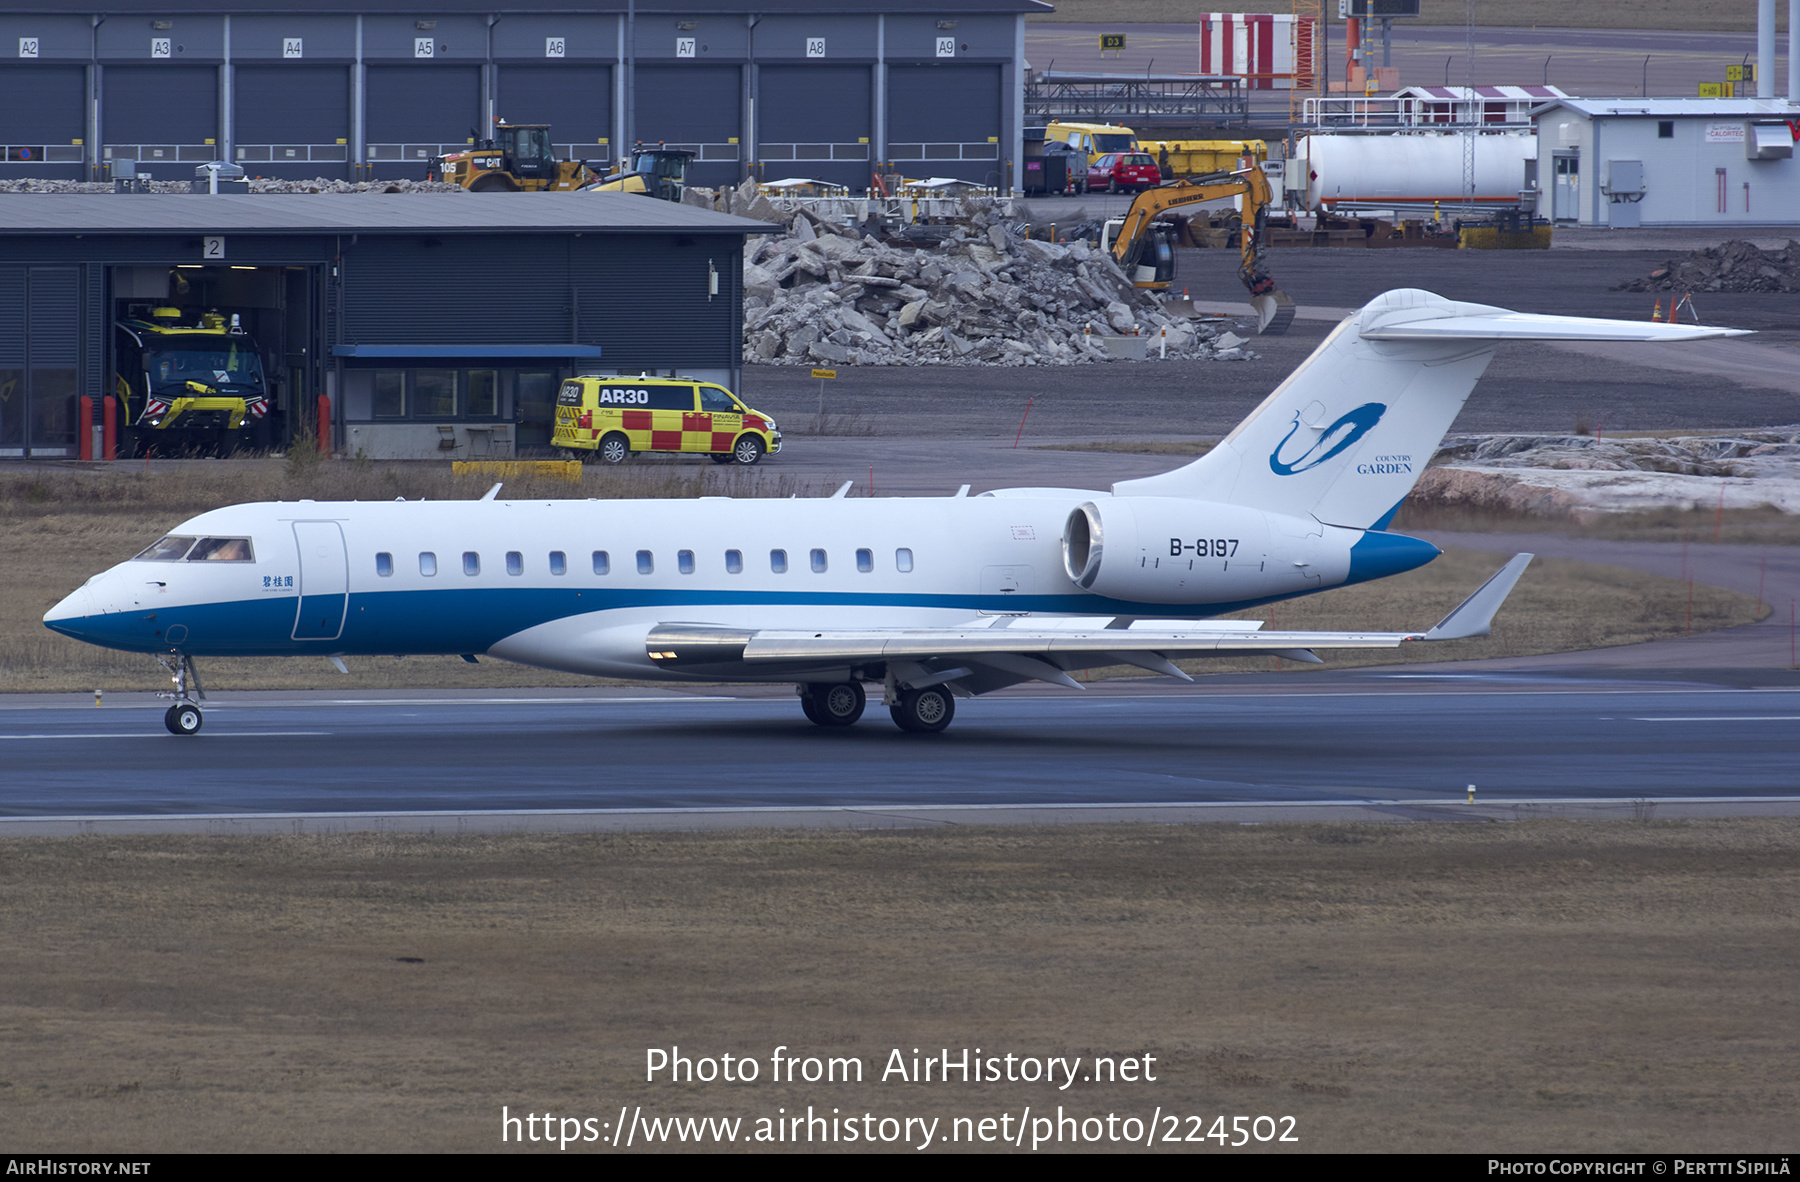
1725	718
154	735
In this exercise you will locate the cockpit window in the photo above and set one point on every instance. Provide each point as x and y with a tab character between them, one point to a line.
221	550
169	549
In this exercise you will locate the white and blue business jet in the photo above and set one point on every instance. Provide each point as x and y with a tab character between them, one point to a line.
930	598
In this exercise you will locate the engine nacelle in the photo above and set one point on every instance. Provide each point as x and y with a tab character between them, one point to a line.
1173	550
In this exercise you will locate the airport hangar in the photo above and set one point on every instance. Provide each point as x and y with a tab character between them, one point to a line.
434	325
306	88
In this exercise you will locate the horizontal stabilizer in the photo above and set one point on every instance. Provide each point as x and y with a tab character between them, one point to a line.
1474	616
1500	325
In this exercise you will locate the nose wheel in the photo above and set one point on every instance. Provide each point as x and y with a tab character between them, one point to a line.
183	718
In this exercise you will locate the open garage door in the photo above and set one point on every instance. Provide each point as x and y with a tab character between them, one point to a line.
575	100
166	118
694	107
41	121
293	121
417	112
813	121
945	121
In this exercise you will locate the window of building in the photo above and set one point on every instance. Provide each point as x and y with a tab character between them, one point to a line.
515	563
558	563
646	563
903	560
734	561
484	393
384	565
602	564
865	561
387	394
427	563
684	559
1665	129
778	561
471	563
434	393
818	562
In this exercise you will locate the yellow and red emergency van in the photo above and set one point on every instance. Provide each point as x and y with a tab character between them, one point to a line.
612	418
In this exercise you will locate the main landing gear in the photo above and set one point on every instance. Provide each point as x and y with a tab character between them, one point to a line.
183	718
841	703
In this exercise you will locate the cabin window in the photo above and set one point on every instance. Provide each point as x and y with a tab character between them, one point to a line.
602	564
384	565
903	560
685	560
558	563
778	561
865	561
734	561
471	563
427	563
646	562
818	562
515	563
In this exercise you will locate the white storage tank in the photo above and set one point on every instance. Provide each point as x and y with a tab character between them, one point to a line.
1365	170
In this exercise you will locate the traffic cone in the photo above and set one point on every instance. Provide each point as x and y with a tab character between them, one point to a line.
1656	312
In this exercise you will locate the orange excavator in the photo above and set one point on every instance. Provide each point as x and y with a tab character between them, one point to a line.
1145	249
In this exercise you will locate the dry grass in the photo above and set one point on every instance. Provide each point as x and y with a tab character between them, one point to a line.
1715	15
73	524
1536	986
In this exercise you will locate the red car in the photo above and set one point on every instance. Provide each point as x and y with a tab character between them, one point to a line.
1127	171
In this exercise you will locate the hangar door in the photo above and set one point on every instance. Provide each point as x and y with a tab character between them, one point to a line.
695	107
813	121
945	121
40	319
41	121
293	121
417	112
575	100
164	117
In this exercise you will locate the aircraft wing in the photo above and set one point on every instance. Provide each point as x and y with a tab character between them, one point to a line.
992	652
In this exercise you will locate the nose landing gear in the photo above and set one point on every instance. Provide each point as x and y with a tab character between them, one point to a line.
183	718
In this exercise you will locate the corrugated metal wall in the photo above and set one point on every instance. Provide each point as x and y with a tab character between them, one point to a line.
641	298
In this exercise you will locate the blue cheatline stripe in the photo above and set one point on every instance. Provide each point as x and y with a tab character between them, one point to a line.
472	620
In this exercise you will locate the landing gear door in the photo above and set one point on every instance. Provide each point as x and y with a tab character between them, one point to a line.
324	580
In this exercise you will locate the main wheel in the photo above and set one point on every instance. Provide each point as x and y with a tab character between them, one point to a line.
614	449
810	708
838	703
924	711
183	718
747	450
490	183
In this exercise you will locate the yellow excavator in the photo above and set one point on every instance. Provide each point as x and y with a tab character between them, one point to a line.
1146	251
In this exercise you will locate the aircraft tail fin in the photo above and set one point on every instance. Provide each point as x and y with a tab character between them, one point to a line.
1347	435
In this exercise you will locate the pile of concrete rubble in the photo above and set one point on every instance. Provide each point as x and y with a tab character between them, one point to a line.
1559	475
1731	266
257	185
820	293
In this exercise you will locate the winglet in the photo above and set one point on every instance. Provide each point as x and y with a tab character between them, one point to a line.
1474	616
491	493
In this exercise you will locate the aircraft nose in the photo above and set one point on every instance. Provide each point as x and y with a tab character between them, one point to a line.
68	616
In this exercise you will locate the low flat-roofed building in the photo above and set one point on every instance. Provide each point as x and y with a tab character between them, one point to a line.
1623	163
432	324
